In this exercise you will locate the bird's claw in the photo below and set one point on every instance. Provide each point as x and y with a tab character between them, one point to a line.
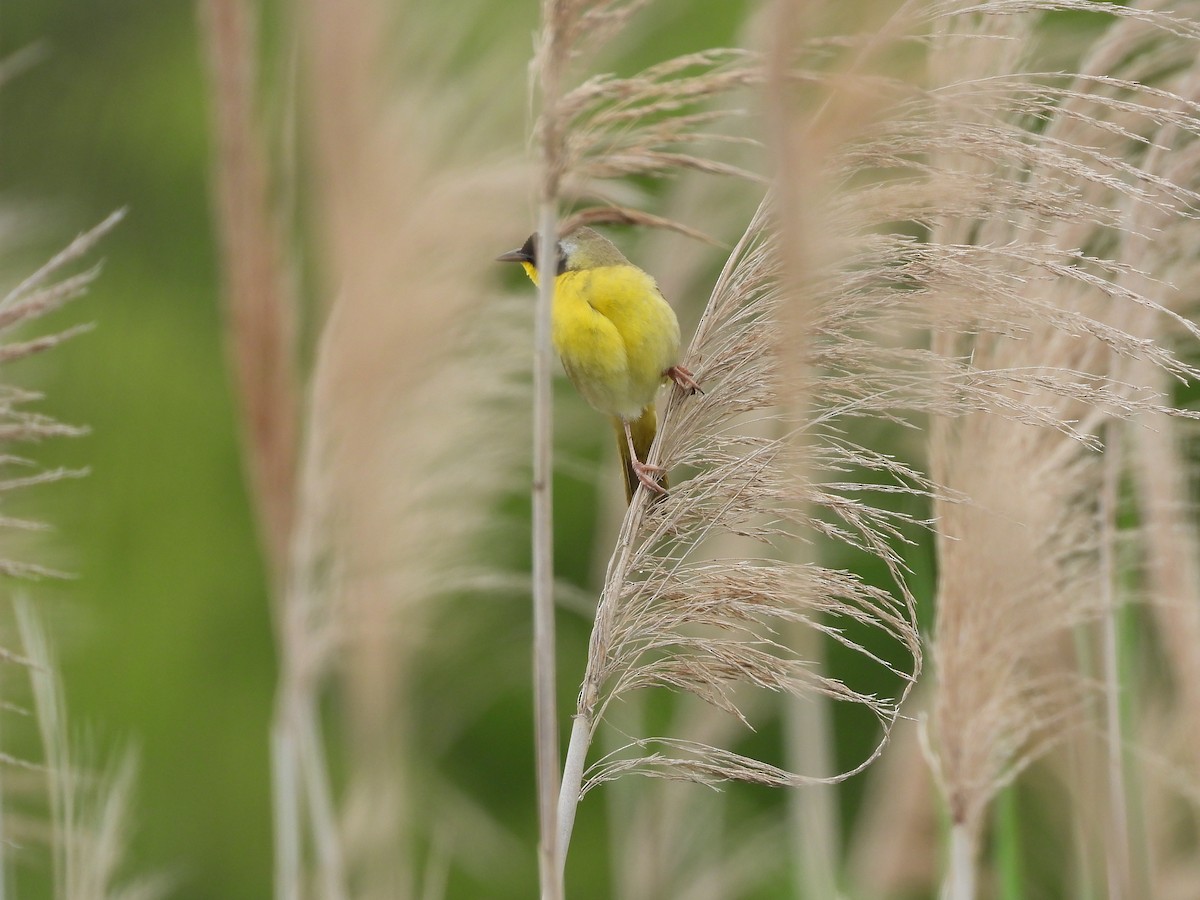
647	475
684	379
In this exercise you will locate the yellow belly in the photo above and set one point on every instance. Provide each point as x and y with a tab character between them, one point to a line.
616	336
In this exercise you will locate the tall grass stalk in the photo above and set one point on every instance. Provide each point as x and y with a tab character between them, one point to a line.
1120	880
959	883
544	666
559	19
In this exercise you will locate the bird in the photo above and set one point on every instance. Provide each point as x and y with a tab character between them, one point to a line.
618	340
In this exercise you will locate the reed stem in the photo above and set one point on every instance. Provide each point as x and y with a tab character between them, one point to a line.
545	723
960	873
1118	838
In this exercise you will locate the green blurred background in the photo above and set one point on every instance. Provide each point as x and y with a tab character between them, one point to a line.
165	637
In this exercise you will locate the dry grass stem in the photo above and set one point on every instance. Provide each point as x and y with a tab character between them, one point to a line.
561	25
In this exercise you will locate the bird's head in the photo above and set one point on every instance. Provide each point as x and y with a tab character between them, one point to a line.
583	248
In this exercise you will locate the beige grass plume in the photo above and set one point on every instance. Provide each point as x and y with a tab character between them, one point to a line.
403	438
671	617
1042	292
46	290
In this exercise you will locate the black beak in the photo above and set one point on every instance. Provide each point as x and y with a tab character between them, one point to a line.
521	256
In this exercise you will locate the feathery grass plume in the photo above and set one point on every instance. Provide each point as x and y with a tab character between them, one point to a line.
46	290
666	839
405	435
1034	266
670	616
90	814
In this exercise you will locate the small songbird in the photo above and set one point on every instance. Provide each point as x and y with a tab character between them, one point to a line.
618	340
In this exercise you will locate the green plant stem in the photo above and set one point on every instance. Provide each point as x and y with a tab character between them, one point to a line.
1008	844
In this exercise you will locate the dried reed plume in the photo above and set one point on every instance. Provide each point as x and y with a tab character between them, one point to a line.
41	293
1052	259
671	616
404	437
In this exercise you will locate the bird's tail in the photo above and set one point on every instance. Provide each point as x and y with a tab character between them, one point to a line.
643	430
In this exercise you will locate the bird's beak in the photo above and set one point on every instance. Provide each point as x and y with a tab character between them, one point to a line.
517	255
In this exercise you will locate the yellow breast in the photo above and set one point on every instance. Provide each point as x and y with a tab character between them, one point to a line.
616	335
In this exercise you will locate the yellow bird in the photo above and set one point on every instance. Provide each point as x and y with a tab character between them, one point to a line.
618	340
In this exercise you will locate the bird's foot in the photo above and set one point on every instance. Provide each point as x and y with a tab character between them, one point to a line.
685	379
649	476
